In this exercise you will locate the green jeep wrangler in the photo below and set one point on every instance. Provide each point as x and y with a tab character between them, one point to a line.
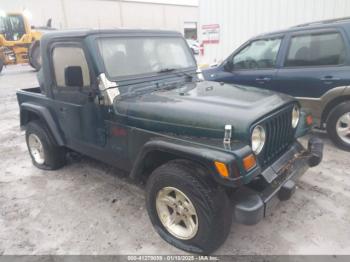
208	152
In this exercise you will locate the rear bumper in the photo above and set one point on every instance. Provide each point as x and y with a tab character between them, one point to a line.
251	205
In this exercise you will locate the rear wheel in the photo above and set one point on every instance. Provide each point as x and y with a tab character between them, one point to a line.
338	126
44	152
187	209
34	55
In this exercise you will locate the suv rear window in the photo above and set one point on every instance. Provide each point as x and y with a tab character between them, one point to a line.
316	50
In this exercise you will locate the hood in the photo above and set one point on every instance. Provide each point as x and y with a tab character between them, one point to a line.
201	109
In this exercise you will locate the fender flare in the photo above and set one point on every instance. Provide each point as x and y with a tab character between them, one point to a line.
321	106
197	154
328	107
44	114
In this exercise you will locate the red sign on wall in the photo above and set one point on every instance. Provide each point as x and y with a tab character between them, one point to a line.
211	34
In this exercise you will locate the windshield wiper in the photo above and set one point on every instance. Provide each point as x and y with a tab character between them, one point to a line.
168	70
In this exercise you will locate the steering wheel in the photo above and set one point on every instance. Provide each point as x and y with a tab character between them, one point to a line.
156	66
251	63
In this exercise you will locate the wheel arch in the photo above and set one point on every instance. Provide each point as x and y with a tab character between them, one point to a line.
331	105
156	153
31	112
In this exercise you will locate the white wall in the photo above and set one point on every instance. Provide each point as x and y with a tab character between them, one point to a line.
240	20
105	13
41	10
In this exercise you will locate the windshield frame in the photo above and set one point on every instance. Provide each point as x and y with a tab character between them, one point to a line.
144	75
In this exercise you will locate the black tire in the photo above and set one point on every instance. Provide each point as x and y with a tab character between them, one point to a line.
1	64
54	156
210	201
34	55
332	121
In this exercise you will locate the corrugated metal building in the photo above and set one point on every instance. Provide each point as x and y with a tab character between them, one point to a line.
181	16
226	24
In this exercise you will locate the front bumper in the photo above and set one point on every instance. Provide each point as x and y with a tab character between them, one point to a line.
251	204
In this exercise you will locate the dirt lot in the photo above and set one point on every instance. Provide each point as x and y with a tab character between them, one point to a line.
90	208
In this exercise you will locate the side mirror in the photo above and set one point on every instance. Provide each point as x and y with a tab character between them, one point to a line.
49	23
228	66
73	76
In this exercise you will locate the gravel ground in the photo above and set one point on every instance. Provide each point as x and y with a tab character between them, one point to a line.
90	208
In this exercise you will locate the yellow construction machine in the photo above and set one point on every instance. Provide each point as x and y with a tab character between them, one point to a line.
19	42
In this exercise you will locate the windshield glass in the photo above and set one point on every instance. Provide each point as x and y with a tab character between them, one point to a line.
12	27
144	55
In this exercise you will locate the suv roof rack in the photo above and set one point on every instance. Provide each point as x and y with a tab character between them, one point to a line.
329	21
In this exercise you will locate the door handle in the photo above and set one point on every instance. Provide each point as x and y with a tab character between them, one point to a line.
330	78
265	79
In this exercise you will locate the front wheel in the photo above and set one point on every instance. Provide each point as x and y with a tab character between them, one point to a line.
338	126
186	208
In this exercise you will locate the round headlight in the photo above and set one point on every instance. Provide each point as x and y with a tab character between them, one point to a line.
295	116
258	139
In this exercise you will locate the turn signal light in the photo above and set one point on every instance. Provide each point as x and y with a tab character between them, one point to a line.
249	162
309	120
222	169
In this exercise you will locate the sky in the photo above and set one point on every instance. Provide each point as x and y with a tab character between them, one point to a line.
182	2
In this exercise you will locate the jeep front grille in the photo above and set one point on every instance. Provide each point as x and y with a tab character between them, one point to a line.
279	135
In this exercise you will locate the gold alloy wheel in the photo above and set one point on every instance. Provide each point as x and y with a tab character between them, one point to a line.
36	149
177	213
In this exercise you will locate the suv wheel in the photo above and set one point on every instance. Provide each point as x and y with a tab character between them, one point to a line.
338	125
186	208
44	152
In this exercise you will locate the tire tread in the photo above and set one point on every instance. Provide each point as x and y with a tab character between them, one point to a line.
54	154
333	117
213	199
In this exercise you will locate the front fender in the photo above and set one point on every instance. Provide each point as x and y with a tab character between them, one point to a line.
201	155
44	115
